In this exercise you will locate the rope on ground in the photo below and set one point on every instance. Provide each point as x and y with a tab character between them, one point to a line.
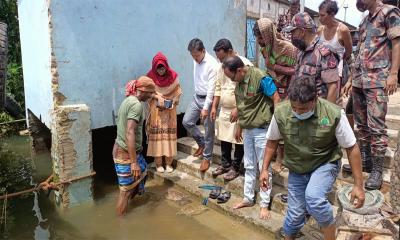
142	176
47	185
12	122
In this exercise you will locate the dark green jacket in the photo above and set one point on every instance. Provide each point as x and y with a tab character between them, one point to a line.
254	108
311	142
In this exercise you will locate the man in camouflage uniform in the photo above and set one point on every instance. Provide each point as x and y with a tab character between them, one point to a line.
374	78
285	19
315	59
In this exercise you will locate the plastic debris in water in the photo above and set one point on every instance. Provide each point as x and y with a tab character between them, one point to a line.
210	187
205	201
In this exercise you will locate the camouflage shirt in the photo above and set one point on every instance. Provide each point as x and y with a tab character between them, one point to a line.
319	62
283	21
373	61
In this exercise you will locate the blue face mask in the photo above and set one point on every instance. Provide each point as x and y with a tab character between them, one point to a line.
303	116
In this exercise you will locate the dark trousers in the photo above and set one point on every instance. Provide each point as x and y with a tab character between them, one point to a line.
227	162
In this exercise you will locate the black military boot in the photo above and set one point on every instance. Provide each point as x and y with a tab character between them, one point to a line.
374	181
365	160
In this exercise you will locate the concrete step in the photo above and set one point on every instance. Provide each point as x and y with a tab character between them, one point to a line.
393	137
190	165
394	104
248	216
188	145
393	109
389	157
393	121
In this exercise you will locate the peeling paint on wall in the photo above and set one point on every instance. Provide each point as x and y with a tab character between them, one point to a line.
72	151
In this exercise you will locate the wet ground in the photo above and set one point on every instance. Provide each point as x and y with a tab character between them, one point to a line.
162	212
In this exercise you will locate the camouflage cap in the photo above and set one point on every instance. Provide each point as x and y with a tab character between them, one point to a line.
301	20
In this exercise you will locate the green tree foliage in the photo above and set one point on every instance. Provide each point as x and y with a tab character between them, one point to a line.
15	172
9	15
15	83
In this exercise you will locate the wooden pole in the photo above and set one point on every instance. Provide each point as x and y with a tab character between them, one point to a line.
46	183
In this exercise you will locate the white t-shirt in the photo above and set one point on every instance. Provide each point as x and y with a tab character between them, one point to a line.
344	134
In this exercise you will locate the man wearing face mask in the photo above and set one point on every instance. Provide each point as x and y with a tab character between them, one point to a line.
315	59
313	130
375	76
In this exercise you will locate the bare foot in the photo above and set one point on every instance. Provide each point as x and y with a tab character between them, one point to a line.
277	166
243	204
265	214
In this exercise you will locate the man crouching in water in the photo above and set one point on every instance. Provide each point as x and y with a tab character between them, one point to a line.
313	130
128	159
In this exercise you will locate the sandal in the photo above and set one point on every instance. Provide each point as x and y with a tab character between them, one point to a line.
224	197
215	193
232	174
220	170
284	198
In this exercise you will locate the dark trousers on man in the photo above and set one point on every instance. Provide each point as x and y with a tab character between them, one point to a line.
227	161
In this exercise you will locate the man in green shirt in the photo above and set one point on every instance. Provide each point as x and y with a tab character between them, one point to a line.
255	95
128	159
313	130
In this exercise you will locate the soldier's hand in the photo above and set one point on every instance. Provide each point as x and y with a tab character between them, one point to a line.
234	115
213	114
357	194
347	88
391	84
264	179
204	114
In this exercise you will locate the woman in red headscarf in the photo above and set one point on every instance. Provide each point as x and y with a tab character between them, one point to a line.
161	122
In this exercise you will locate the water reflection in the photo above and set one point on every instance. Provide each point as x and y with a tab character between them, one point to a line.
151	216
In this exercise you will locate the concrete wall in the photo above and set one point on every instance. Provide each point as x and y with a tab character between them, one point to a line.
36	52
100	44
72	153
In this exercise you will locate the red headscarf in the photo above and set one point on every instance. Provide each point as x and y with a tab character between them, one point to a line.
170	74
143	83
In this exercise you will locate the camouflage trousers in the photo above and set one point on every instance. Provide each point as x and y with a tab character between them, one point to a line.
369	110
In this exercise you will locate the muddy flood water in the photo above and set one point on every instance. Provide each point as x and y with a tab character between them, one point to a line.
163	212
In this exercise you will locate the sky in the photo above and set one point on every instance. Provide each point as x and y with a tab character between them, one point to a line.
353	16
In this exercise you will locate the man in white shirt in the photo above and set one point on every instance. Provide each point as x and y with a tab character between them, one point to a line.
204	73
313	129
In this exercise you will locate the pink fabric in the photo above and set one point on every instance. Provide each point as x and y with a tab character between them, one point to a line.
143	83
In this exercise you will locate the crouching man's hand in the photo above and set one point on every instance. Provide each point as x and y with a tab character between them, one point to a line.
358	194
